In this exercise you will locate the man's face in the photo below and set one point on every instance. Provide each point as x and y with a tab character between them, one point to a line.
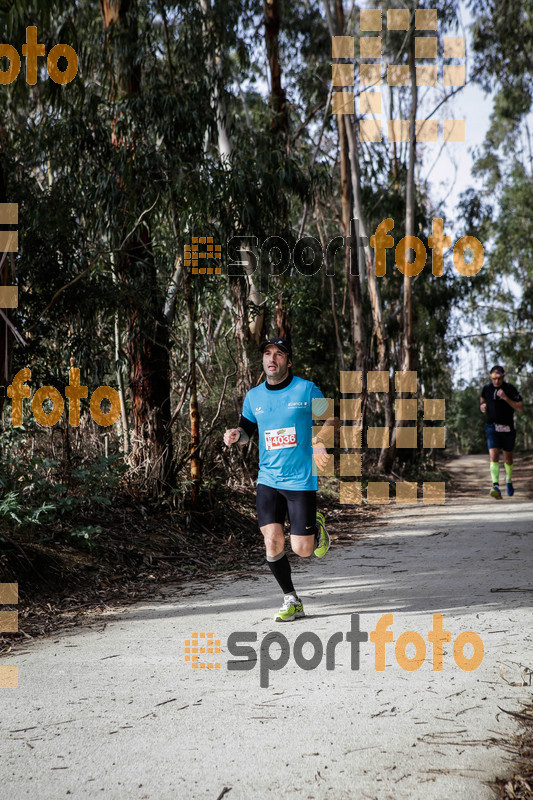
497	379
275	363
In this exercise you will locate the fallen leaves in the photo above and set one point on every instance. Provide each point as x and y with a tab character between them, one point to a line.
520	785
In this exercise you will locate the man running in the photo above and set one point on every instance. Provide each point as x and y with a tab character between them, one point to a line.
500	400
281	410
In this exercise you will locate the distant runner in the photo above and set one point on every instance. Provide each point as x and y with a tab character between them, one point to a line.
280	409
500	400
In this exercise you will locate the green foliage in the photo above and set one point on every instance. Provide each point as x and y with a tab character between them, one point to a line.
465	425
502	34
130	151
85	534
13	511
41	491
502	301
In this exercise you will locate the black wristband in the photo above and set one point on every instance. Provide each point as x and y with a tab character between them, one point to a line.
247	426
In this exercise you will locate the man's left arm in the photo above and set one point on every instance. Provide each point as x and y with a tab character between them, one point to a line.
321	441
326	439
518	405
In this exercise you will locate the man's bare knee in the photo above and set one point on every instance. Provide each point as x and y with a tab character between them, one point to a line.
303	545
274	538
274	544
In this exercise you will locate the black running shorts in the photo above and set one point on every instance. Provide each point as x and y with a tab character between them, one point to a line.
503	440
274	504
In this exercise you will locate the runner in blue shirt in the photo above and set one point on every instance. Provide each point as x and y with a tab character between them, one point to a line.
281	410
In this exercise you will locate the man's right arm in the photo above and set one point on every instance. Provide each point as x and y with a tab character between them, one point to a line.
235	436
482	404
241	434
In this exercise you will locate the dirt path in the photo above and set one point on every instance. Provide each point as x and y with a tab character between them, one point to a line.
471	477
116	711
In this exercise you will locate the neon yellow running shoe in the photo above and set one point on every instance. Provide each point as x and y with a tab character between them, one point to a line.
495	492
322	537
291	609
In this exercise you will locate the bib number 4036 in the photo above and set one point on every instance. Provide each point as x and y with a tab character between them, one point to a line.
281	438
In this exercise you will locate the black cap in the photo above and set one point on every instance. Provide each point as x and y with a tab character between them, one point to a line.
282	344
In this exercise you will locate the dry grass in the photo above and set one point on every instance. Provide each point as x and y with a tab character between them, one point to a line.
520	785
138	551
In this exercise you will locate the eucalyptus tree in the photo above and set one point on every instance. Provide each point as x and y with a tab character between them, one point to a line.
504	300
117	157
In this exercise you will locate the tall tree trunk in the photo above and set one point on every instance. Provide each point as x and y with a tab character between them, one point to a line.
410	200
120	373
329	262
147	336
7	277
121	392
407	343
239	291
351	255
278	99
194	411
245	324
376	305
483	345
351	260
280	141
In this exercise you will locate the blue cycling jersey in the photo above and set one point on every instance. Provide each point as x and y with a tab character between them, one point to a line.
284	420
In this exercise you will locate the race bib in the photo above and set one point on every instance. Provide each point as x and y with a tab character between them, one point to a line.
280	439
502	428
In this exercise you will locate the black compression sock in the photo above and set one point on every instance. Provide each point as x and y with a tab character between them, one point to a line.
281	570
